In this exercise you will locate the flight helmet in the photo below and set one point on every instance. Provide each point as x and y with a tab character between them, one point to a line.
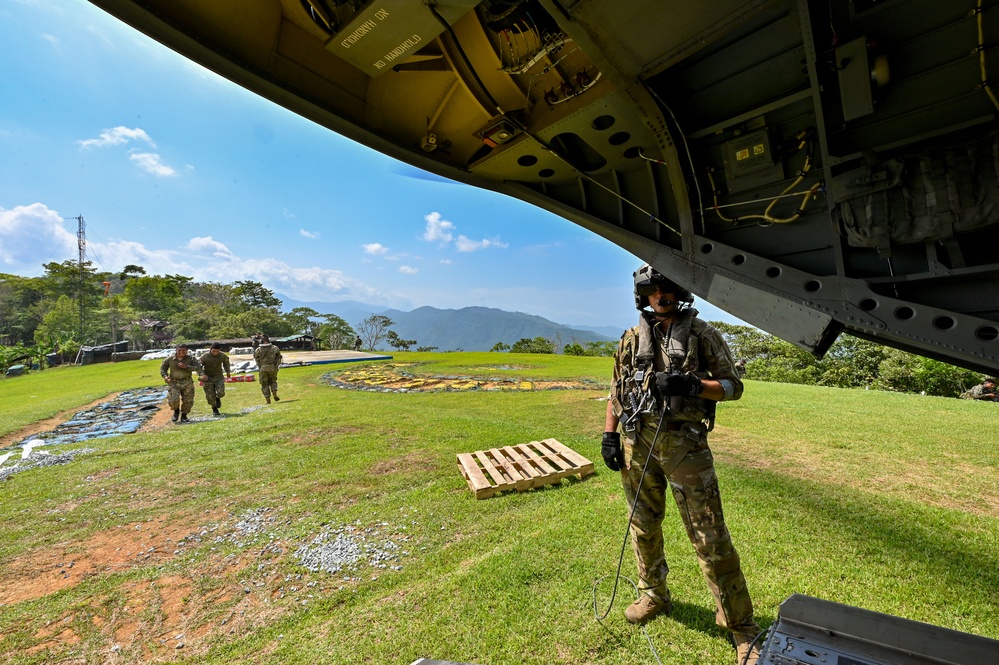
648	278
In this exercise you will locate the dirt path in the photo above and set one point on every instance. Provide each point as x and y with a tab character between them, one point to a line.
160	419
151	618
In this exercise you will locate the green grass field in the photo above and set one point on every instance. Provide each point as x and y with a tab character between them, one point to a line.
179	543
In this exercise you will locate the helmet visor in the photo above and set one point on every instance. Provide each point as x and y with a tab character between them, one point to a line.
650	287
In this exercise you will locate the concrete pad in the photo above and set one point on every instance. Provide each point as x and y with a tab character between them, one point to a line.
319	357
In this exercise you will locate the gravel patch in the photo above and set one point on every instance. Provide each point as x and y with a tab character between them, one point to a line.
348	547
41	458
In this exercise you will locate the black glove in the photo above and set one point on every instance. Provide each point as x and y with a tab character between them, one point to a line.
612	451
671	384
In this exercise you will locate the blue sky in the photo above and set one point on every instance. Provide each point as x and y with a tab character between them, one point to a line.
182	172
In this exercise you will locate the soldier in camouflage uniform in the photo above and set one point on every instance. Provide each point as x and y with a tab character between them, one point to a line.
669	372
268	359
215	363
176	371
986	391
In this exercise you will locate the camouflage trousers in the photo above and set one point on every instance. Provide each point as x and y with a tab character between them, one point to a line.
695	490
268	382
180	395
214	391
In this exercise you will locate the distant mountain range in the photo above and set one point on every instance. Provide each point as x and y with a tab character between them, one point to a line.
467	329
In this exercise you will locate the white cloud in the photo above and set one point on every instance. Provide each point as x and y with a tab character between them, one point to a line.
408	270
97	32
210	246
440	230
32	235
150	161
117	254
446	262
375	249
463	244
437	229
309	283
117	136
309	234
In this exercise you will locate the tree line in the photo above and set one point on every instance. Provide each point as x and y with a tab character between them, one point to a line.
851	362
554	345
70	306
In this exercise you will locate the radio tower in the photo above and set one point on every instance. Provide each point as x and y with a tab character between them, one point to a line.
81	243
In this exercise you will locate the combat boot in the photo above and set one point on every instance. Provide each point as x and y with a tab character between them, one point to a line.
183	418
746	650
268	398
215	411
276	398
647	608
176	415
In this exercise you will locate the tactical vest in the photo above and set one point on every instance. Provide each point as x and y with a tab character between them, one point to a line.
641	354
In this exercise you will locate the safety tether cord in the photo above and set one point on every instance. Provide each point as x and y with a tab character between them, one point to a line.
624	543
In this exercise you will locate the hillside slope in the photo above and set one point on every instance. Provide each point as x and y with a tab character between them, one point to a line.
467	329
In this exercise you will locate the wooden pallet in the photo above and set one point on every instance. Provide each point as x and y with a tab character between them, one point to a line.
521	467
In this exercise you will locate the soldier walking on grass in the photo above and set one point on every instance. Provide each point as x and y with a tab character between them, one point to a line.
669	372
215	362
268	359
176	371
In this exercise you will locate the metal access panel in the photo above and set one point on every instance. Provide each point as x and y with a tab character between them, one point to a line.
811	631
749	162
854	73
386	32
